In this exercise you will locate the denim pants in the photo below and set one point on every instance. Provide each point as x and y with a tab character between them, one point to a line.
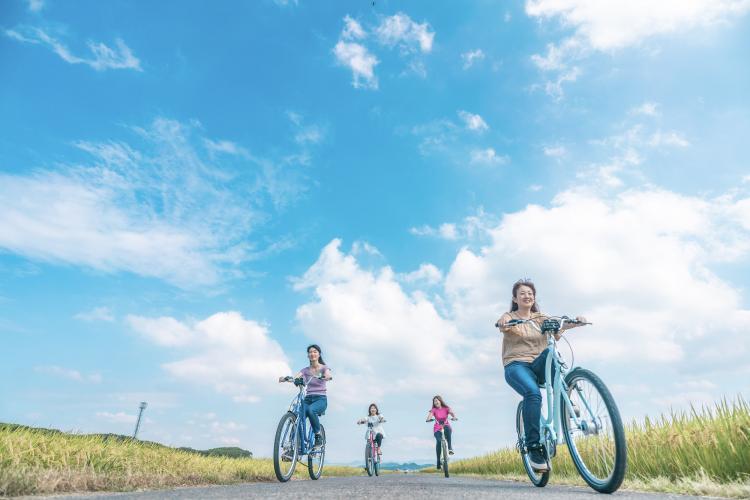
525	378
447	430
314	406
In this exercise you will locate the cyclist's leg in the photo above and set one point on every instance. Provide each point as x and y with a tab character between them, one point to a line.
448	433
437	446
522	379
314	406
379	439
539	366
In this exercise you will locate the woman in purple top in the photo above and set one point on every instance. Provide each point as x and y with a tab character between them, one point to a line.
440	412
315	376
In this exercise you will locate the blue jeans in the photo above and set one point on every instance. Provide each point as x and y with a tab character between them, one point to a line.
438	444
314	406
525	378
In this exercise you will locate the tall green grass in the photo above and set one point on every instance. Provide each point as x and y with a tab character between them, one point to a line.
700	446
34	461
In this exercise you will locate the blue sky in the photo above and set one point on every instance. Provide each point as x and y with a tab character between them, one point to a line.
191	194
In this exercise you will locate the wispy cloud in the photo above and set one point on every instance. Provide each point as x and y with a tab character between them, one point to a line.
96	314
35	5
67	373
103	57
471	57
360	61
646	109
400	30
488	156
472	121
157	206
554	151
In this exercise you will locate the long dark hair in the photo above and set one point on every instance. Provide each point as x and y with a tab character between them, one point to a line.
518	284
320	351
377	411
439	398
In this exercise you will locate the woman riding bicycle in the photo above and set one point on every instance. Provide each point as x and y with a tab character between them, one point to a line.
316	375
440	412
376	419
524	357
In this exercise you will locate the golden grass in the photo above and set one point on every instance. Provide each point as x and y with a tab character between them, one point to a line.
704	451
36	461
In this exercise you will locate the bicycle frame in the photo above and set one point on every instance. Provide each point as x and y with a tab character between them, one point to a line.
557	392
298	407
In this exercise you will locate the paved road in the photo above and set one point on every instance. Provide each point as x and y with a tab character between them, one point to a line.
399	486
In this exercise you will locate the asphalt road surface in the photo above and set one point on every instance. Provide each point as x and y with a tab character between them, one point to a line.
403	486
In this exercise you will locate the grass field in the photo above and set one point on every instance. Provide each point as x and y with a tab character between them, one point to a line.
704	451
34	461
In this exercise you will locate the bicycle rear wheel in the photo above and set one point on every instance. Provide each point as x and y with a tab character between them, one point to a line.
369	465
445	456
285	450
539	479
597	444
315	458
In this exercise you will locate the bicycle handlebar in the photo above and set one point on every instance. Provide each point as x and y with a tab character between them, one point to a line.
560	320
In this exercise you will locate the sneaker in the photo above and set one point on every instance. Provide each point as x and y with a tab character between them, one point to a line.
537	460
438	467
450	452
318	441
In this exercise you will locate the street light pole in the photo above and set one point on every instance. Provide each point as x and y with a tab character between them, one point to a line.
141	407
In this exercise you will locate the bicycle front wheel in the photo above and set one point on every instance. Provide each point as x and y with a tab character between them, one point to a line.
538	479
445	457
376	461
597	442
369	464
285	450
316	458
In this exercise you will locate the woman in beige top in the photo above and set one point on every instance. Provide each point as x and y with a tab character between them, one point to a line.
524	357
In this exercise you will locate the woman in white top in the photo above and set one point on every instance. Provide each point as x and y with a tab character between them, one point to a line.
376	419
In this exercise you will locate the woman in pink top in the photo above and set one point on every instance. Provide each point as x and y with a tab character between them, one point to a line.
440	412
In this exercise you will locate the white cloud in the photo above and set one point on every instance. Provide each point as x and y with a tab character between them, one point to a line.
135	208
617	24
488	156
621	23
471	57
473	122
96	314
671	138
360	61
352	30
104	57
234	355
35	5
370	326
399	30
67	373
555	151
427	274
117	418
637	264
472	227
646	109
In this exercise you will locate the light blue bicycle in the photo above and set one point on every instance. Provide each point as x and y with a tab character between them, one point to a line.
582	413
294	441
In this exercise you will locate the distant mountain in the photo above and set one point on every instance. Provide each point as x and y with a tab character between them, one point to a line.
402	466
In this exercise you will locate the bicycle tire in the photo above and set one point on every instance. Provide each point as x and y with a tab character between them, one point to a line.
376	462
369	467
538	479
316	469
590	470
445	457
288	420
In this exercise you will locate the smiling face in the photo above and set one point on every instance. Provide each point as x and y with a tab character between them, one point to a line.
373	410
524	297
313	355
436	403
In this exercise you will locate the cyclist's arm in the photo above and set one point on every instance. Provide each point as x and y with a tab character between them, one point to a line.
429	416
327	374
568	326
512	330
450	412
